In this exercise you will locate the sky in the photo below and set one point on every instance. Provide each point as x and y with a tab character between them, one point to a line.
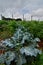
20	7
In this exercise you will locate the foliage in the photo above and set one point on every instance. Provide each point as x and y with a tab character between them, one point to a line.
35	27
7	29
2	64
24	48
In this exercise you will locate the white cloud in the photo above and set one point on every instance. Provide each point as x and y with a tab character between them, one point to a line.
18	15
27	16
18	7
9	12
21	4
38	12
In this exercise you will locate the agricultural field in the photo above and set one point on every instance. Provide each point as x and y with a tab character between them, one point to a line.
20	39
21	32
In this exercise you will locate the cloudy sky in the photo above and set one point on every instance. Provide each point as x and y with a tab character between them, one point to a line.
20	7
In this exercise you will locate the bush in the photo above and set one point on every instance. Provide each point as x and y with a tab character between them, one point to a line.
35	27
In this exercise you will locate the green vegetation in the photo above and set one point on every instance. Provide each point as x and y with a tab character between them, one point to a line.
7	28
35	27
39	60
2	64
